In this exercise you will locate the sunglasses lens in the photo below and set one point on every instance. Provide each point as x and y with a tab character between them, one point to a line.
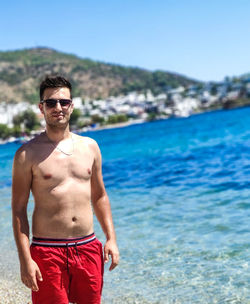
65	102
51	103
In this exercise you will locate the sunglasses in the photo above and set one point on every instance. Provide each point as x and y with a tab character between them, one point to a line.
51	103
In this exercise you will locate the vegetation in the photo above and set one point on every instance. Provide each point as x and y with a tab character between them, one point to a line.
22	71
76	114
97	119
151	116
5	132
27	121
113	119
239	102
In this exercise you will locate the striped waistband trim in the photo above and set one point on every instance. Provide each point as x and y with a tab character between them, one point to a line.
47	242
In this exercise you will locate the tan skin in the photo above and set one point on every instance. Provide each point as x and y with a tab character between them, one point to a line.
64	173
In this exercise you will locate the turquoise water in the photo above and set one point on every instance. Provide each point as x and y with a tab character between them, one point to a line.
179	191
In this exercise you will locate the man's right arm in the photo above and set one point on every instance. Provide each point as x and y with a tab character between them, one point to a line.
21	184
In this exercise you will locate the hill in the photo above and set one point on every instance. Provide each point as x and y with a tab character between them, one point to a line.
22	70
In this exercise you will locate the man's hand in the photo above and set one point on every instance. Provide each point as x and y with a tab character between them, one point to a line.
111	248
29	275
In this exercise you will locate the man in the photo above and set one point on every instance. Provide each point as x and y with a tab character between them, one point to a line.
64	262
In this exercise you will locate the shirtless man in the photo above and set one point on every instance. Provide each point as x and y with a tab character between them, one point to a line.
64	262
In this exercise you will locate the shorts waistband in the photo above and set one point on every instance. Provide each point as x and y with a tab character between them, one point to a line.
48	242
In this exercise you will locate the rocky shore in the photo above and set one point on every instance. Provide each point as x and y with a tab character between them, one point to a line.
12	291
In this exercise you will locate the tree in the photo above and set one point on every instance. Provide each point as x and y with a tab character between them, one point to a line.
28	118
151	116
16	131
122	118
76	114
97	119
214	89
113	119
5	132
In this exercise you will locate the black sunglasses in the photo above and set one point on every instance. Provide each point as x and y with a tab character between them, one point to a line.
51	103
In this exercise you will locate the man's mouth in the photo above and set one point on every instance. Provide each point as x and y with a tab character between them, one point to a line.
58	115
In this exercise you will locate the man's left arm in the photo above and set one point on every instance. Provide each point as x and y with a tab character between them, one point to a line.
102	208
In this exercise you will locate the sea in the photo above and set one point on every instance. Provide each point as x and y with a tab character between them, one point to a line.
180	196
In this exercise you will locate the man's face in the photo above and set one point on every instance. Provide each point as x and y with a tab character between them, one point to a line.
57	116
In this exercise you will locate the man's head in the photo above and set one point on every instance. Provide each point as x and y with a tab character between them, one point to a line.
56	101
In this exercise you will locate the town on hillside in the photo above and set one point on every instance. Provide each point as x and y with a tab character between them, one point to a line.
18	120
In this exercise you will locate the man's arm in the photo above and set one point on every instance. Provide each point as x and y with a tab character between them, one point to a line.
102	209
21	184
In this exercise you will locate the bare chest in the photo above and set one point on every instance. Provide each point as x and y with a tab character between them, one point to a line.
58	167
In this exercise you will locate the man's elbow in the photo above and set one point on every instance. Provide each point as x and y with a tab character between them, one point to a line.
19	210
101	197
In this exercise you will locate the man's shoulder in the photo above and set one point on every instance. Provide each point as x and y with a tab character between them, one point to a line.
22	155
85	140
28	149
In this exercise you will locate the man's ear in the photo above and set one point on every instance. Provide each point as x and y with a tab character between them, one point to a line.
41	108
72	108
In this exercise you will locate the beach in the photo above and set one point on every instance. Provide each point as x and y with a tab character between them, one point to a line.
12	292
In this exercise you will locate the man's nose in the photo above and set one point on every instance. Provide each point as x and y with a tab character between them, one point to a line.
58	106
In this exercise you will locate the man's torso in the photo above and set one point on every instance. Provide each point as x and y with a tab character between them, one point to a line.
61	187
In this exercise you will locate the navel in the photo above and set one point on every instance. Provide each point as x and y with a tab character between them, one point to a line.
74	219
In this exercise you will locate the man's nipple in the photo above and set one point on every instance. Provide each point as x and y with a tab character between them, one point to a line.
47	176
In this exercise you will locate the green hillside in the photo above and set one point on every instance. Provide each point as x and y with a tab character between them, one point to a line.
21	72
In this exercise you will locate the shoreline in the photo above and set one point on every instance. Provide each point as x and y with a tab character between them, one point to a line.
117	125
24	139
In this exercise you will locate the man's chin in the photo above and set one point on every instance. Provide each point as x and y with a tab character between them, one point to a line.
62	123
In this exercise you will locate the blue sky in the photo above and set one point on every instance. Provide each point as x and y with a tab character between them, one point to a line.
205	40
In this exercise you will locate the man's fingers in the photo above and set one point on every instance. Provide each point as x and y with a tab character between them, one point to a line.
39	275
111	249
34	286
112	266
106	257
31	283
115	261
30	275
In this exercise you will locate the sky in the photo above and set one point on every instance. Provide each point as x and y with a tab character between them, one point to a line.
204	40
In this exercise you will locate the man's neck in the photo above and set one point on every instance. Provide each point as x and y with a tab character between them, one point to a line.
56	134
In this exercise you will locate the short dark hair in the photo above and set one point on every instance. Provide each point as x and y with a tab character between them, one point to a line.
54	81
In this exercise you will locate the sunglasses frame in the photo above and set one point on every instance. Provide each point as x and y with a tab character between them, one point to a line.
55	101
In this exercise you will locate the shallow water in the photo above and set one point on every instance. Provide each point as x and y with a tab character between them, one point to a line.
179	190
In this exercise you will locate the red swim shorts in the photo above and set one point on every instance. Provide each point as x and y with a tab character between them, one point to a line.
72	270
